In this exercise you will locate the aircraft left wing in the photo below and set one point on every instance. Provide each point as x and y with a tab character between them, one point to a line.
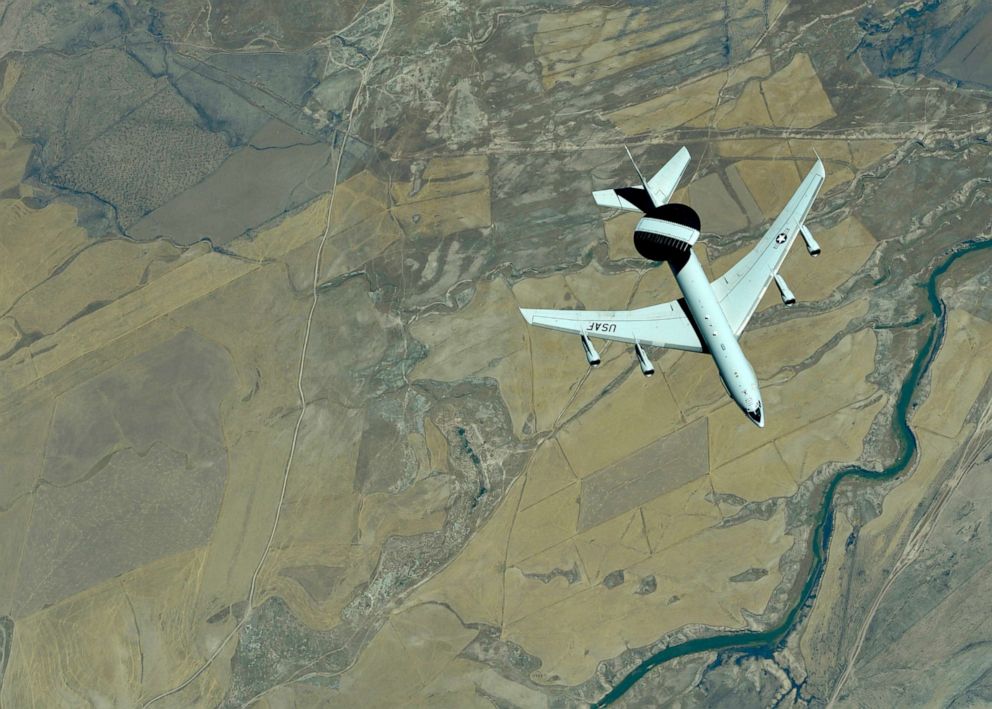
741	288
664	325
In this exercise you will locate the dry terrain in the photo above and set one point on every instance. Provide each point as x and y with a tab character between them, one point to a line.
274	434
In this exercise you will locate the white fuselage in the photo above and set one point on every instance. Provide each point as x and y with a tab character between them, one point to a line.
715	331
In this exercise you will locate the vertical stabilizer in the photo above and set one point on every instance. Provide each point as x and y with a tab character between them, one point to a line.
641	177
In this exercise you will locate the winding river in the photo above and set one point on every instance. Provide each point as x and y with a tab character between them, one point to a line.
766	642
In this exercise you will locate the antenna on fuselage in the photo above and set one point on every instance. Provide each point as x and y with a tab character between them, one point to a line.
643	181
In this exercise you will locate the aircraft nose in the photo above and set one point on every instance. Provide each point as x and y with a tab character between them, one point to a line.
757	415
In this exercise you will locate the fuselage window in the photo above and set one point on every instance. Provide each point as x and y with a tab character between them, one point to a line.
723	347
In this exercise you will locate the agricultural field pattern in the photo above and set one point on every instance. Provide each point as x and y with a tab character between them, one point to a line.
273	432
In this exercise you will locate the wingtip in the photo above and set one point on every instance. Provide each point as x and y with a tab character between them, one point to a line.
818	167
527	314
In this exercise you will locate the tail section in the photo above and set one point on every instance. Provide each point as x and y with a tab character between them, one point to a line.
652	193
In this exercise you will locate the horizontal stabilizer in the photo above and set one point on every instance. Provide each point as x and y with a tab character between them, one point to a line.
629	199
667	179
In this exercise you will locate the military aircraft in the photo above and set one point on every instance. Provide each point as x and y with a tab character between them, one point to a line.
710	317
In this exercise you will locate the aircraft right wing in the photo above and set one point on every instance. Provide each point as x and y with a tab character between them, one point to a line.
665	325
661	187
741	288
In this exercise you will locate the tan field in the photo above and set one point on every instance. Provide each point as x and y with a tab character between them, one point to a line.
543	534
454	196
324	461
690	104
583	46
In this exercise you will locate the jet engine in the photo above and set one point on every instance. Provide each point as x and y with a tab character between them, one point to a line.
788	297
647	369
592	356
811	245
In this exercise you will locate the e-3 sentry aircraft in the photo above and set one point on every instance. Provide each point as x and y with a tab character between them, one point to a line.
710	317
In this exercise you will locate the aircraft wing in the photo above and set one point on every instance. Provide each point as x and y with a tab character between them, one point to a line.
661	187
741	288
665	325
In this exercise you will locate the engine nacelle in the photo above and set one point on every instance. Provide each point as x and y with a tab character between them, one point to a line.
592	356
788	297
647	369
811	245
